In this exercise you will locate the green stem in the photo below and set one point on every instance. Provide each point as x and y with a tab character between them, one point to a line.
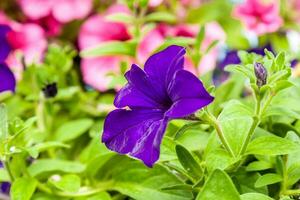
213	121
40	113
8	169
292	192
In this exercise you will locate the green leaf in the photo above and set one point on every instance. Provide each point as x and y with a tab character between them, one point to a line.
109	49
161	16
258	165
280	60
189	163
218	186
211	46
100	196
255	196
68	183
235	121
23	188
120	17
3	123
50	165
35	150
272	145
199	38
268	179
142	183
73	129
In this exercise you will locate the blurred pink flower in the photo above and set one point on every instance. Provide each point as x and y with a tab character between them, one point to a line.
26	40
62	10
154	3
258	16
96	30
155	38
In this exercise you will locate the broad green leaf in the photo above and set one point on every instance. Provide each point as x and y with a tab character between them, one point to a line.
189	163
279	110
99	196
23	188
161	16
280	60
95	164
218	159
235	120
109	49
3	123
50	165
258	165
268	179
73	129
219	186
255	196
140	182
272	145
68	183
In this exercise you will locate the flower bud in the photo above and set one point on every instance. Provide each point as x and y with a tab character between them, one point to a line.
261	74
50	90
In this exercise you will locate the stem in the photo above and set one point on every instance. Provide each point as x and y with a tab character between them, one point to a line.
220	133
40	113
7	167
292	192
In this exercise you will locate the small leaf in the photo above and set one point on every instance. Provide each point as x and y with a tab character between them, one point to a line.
219	186
23	188
189	163
272	145
255	196
268	179
280	60
73	129
258	165
35	150
199	38
211	46
161	17
50	165
120	17
68	183
109	49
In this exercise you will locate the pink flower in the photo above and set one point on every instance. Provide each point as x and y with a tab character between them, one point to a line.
62	10
96	30
26	40
258	16
154	3
156	37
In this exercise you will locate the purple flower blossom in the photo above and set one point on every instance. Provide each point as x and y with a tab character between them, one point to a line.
7	79
4	45
155	95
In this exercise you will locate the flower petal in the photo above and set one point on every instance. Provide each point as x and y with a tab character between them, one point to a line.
135	132
188	94
7	79
4	47
139	92
162	66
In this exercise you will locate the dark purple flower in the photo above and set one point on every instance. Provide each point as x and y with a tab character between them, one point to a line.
4	45
261	74
155	95
5	187
7	79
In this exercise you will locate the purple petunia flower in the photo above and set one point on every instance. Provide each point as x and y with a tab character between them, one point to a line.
4	45
155	95
7	79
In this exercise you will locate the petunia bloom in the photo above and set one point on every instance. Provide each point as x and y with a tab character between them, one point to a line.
97	30
258	16
7	79
161	92
62	10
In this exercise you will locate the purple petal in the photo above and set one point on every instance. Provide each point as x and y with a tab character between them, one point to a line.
135	132
188	94
4	45
139	92
5	187
162	66
7	79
